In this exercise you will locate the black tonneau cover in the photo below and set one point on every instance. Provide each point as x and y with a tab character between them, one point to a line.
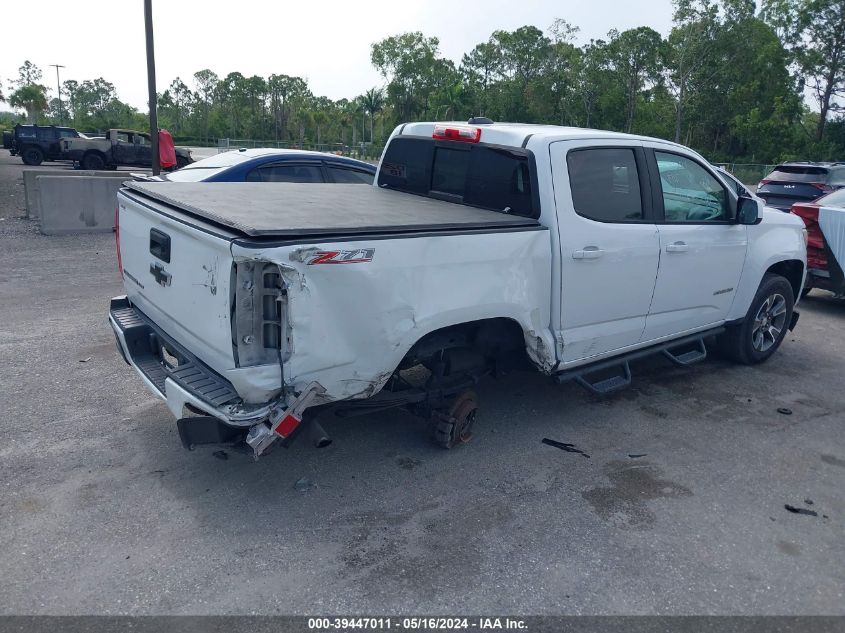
295	209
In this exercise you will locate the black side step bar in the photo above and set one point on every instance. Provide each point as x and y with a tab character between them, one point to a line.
608	385
689	357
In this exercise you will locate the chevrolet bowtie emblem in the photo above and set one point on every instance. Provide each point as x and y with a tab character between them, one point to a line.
161	276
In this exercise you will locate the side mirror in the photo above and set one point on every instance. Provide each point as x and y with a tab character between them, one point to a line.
747	211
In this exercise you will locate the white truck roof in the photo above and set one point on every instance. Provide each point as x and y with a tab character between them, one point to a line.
518	134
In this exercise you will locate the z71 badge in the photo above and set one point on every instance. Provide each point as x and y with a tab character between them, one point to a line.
360	256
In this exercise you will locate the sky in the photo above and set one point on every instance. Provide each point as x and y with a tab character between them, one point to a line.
325	41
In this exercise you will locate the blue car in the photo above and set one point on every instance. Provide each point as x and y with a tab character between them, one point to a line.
274	165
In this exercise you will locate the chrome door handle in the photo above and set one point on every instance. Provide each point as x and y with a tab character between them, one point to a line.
677	247
588	252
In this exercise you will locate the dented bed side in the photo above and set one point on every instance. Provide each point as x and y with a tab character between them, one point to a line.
342	312
350	322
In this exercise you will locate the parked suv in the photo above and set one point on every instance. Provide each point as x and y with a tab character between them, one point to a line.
37	143
800	182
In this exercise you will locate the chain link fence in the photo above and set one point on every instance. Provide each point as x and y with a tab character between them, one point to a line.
747	173
362	151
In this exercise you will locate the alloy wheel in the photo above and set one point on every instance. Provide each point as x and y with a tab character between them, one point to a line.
769	322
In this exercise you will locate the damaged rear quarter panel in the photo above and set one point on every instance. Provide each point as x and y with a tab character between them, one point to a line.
351	324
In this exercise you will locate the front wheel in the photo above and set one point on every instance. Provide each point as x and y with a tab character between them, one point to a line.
765	323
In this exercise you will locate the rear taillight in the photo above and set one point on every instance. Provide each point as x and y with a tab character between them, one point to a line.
117	238
822	186
807	212
463	133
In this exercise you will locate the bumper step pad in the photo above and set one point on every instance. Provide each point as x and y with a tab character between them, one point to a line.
145	341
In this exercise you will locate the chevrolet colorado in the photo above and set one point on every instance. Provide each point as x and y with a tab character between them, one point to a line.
250	308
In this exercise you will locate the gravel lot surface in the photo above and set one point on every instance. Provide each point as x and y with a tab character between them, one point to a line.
679	508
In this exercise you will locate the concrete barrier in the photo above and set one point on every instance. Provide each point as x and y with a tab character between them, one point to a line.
33	192
78	205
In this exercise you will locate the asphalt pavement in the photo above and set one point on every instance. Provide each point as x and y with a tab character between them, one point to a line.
676	506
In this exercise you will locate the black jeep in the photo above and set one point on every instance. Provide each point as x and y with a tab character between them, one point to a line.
37	143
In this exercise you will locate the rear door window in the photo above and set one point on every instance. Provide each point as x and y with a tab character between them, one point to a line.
487	176
286	173
605	184
348	175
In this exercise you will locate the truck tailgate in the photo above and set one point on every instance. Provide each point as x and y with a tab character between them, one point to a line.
180	276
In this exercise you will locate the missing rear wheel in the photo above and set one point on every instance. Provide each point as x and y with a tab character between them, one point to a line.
455	426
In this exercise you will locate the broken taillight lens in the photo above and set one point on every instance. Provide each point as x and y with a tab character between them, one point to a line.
117	239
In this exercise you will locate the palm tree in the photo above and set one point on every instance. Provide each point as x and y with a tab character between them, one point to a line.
344	118
356	107
31	98
453	99
373	102
320	118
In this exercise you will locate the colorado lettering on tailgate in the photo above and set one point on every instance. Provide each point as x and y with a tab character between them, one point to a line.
360	256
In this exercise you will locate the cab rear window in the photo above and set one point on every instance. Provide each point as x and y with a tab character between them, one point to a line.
486	176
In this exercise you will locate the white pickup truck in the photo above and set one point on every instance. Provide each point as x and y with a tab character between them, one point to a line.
252	307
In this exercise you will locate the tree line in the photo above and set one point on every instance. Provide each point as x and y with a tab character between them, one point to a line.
737	82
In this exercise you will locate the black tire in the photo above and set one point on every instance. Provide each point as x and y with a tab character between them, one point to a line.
32	155
93	162
765	324
181	162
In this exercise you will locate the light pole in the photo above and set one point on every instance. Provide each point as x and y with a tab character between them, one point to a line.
151	85
59	90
